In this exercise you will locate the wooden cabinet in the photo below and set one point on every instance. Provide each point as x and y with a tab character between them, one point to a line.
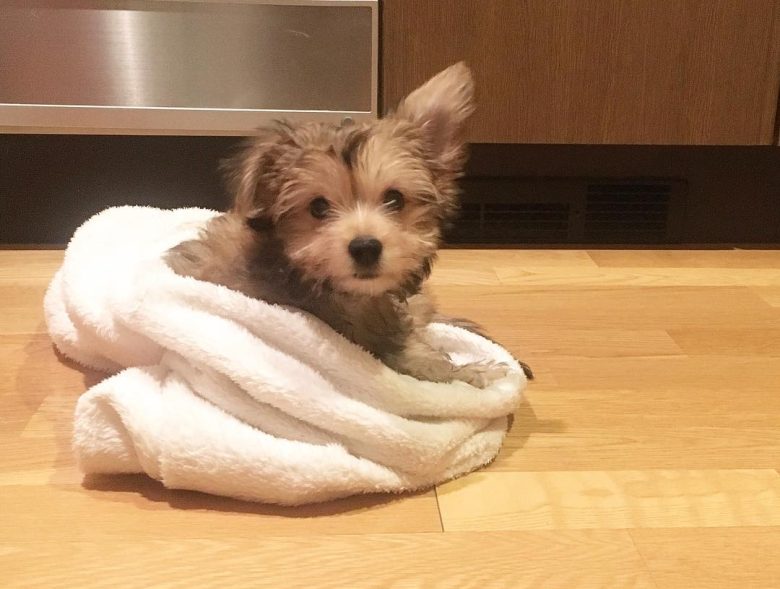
673	72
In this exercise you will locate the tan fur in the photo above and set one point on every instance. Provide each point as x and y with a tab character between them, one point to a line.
272	246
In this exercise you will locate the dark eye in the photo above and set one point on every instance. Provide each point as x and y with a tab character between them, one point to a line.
394	200
319	207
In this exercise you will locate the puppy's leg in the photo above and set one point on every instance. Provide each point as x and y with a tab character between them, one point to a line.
420	360
469	325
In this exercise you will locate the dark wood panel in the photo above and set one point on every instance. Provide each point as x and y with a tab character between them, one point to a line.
702	72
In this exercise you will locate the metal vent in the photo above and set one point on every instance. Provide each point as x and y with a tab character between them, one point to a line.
569	210
504	222
627	212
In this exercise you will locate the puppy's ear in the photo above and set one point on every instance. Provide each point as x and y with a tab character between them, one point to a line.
440	107
250	175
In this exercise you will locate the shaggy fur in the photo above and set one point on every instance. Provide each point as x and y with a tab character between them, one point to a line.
344	222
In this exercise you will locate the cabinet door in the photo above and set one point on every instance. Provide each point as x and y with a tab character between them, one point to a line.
597	71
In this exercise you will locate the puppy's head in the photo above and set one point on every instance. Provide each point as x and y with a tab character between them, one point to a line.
360	208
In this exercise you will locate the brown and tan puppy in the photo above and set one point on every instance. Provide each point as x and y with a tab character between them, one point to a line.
344	222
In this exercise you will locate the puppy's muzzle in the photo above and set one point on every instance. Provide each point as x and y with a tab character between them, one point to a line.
365	251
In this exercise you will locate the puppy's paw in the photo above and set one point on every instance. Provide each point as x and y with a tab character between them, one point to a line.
529	374
481	374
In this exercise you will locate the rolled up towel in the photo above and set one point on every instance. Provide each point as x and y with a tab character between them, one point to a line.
217	392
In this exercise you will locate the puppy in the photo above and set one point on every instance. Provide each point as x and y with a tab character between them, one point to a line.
344	223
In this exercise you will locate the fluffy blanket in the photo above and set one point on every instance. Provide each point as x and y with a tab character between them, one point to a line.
217	392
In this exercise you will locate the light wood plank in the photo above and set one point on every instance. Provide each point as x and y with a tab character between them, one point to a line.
611	500
641	276
690	258
712	558
29	265
456	266
674	412
515	308
453	273
539	258
715	377
22	305
728	342
135	506
587	343
401	561
625	429
33	373
769	294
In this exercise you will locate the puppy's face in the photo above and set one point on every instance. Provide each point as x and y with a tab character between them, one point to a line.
360	208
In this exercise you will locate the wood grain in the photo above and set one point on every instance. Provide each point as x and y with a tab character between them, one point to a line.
181	515
769	294
19	315
695	258
573	306
611	500
630	429
19	264
645	454
540	342
711	558
643	276
456	268
728	342
402	561
597	71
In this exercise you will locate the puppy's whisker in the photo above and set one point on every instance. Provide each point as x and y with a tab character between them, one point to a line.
301	250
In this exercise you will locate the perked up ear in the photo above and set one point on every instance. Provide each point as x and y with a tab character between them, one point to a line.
440	107
247	173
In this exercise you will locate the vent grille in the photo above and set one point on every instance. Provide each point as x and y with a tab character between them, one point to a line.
507	222
637	212
569	210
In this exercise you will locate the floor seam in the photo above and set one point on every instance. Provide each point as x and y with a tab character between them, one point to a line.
643	559
438	508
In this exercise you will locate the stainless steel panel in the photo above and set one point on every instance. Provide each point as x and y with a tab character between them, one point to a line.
190	66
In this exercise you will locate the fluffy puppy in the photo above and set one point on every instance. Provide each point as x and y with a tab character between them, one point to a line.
344	222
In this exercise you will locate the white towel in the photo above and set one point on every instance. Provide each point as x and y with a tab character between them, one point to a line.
217	392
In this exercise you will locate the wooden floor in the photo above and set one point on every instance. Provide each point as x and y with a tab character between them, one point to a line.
644	455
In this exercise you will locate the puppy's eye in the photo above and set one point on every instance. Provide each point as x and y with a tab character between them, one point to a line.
393	200
319	207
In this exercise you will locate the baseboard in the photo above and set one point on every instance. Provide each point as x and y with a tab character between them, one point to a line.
544	195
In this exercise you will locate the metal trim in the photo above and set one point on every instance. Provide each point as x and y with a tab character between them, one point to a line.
124	120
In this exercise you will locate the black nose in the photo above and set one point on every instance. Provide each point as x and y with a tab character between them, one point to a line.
365	250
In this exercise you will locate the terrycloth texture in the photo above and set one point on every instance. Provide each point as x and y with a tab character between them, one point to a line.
217	392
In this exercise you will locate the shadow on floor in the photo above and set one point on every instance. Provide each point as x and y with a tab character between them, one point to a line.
152	490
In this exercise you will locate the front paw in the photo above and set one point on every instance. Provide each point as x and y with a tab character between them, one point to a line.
480	374
529	374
